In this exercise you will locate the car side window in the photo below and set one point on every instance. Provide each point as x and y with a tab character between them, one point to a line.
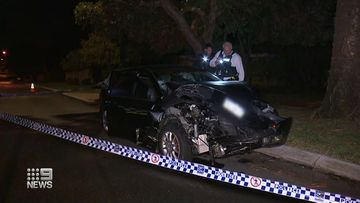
122	83
145	89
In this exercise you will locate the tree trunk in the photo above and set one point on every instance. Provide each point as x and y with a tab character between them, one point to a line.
342	98
244	51
183	25
211	22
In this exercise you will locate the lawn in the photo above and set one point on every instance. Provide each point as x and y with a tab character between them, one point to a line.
338	138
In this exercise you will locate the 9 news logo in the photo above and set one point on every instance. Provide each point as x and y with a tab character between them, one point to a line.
39	178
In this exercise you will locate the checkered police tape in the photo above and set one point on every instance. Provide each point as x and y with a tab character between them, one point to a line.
235	178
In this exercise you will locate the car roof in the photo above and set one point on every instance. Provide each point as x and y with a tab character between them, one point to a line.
161	69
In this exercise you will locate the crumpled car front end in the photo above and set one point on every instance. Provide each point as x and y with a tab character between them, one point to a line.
224	121
248	125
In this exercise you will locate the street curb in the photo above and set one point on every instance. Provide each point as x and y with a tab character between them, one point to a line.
69	93
88	101
48	88
314	160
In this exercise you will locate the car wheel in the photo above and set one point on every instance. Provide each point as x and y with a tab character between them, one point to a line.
173	141
104	120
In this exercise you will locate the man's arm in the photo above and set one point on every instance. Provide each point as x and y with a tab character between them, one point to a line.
213	60
237	62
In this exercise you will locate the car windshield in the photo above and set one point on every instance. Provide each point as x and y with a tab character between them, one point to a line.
184	77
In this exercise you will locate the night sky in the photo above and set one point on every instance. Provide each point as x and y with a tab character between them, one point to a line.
37	33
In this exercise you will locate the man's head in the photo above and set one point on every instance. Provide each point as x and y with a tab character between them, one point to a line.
227	47
208	49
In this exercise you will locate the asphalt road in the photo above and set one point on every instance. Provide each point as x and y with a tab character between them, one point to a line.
82	174
19	88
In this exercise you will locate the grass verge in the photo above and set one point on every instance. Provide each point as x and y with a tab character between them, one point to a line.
338	138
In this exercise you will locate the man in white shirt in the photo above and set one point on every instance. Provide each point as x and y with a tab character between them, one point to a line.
228	64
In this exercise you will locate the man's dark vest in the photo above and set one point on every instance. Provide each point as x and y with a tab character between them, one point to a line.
225	69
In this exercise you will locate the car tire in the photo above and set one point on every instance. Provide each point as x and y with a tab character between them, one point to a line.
104	120
173	141
117	125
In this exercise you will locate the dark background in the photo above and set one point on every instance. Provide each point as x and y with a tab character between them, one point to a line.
37	34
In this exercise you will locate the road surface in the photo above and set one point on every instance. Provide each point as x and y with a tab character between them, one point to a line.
82	174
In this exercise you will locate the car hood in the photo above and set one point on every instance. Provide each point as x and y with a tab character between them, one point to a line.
232	89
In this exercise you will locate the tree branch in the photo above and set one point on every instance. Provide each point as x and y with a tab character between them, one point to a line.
197	11
149	3
183	25
214	13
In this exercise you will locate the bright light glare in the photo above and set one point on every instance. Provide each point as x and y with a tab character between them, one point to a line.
3	52
221	61
205	58
234	108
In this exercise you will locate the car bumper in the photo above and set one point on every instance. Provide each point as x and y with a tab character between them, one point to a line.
279	136
273	136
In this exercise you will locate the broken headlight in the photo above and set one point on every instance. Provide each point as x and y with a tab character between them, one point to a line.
234	108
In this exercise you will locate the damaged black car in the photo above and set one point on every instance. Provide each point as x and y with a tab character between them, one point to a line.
183	112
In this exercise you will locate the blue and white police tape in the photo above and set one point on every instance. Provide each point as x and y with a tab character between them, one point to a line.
235	178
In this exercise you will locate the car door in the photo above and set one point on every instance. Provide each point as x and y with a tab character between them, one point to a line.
145	94
132	95
121	93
